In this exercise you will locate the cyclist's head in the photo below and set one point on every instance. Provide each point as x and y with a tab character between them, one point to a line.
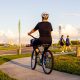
45	16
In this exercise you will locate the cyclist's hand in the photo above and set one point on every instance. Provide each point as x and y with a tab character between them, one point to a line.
28	33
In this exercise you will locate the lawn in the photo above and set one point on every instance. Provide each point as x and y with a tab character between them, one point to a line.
67	63
8	47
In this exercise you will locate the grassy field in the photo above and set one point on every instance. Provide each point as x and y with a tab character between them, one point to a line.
8	47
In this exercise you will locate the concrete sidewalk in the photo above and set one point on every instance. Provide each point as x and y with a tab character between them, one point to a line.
20	69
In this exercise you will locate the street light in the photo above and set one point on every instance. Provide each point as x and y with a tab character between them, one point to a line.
19	30
59	32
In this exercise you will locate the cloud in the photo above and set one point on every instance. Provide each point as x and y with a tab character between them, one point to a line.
70	30
67	29
7	36
3	38
12	37
11	34
1	32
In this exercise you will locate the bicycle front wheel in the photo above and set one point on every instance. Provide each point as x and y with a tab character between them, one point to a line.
47	62
33	60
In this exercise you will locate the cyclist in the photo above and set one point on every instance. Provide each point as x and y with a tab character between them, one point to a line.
44	27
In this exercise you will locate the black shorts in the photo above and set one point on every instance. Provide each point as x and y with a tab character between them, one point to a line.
67	44
35	42
62	44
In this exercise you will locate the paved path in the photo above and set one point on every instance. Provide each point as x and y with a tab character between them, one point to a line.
21	70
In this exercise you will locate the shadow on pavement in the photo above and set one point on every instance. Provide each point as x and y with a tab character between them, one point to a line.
26	66
19	64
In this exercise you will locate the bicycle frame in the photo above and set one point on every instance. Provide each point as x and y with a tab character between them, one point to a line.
32	36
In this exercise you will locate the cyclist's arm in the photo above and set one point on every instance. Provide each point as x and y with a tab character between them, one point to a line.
32	31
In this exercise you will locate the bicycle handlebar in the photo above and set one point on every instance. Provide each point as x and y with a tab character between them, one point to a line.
32	36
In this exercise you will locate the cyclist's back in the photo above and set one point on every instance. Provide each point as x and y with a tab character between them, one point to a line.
44	29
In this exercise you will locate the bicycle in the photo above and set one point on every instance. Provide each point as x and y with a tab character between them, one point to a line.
47	60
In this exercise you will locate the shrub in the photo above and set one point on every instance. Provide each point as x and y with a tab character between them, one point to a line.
75	42
67	63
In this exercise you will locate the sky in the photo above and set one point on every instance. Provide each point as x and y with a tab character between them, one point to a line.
65	13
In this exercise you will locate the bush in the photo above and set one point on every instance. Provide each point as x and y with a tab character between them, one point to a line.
67	63
75	42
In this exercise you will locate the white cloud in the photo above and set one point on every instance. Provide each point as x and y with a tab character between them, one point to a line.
10	36
7	36
1	32
70	30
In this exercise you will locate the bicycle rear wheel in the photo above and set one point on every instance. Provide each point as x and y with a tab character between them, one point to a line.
33	60
47	62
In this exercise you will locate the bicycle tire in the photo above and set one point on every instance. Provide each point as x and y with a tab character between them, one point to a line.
52	62
33	65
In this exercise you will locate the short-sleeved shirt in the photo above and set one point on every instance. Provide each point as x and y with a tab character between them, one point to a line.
61	41
67	42
44	29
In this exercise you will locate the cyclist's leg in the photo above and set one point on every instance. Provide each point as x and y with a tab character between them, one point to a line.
46	48
35	44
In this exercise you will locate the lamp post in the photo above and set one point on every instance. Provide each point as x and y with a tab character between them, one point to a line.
19	30
59	32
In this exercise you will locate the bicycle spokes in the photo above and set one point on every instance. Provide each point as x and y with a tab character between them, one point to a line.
33	60
47	62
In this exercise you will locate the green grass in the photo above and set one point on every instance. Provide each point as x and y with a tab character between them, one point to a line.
8	47
4	76
7	58
67	63
56	50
